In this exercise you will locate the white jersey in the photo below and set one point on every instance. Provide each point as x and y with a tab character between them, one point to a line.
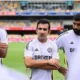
10	74
38	51
3	38
74	68
70	42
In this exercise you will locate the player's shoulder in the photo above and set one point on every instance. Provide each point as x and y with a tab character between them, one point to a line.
32	42
64	34
2	31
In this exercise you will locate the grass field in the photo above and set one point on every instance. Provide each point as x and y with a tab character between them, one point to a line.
15	59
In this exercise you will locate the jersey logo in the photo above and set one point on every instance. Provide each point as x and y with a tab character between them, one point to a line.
49	50
36	49
71	42
37	57
72	49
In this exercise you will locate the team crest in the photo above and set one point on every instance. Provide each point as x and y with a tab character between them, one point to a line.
49	50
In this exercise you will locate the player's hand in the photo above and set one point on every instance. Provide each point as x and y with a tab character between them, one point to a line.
3	46
62	70
54	62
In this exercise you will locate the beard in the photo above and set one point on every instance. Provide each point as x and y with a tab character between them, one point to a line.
76	31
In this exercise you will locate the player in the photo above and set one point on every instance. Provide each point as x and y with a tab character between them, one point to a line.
3	44
41	54
7	73
70	41
10	74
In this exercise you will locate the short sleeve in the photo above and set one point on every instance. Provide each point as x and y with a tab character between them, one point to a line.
28	50
4	37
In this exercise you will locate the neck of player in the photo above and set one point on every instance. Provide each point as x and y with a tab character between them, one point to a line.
42	40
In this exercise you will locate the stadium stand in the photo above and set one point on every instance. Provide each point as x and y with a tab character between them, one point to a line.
26	23
36	8
27	38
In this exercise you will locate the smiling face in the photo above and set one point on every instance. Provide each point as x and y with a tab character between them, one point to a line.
42	32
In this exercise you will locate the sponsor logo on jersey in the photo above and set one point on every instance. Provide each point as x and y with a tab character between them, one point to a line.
36	57
49	50
72	49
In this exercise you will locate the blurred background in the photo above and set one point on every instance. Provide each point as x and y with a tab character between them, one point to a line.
19	18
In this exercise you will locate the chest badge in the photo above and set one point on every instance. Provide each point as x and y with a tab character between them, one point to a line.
49	50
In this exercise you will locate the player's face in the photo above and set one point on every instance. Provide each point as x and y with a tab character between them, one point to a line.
76	27
76	24
42	32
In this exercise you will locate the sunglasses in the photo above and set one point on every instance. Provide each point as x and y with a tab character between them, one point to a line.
78	24
44	29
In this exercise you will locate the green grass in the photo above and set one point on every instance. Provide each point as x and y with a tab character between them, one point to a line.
15	56
15	59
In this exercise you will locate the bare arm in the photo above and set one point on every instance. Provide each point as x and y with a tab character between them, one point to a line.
29	62
49	67
55	66
43	64
62	70
3	50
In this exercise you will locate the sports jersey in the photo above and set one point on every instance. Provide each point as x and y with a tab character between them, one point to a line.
70	42
43	51
3	38
74	69
7	73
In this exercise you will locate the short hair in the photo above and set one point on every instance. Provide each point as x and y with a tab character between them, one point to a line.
77	17
43	21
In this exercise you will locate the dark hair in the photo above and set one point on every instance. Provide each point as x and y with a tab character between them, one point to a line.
77	17
43	21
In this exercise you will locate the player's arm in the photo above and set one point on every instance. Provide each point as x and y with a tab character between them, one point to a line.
3	44
3	49
60	44
43	64
55	56
55	66
62	70
31	63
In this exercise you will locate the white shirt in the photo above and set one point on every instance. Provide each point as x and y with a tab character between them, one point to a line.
3	38
74	69
10	74
71	44
37	51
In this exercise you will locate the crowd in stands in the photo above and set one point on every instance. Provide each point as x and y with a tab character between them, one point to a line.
21	6
11	23
34	7
25	23
9	5
27	38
